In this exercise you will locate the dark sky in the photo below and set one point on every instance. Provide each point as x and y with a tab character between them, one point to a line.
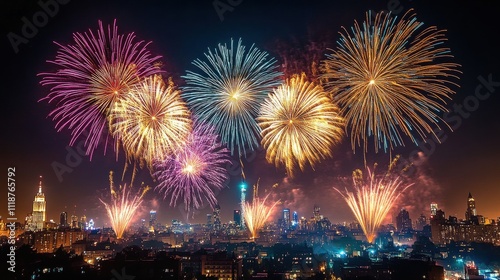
467	161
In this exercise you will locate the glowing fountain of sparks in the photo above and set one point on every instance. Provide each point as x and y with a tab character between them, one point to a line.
257	213
372	198
123	206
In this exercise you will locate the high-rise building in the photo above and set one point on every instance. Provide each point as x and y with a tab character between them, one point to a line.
74	221
243	189
295	219
237	217
39	205
209	221
317	216
63	219
83	222
216	215
434	208
403	221
470	213
152	220
286	218
421	222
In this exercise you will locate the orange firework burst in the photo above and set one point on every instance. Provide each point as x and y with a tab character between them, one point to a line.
123	206
373	198
390	79
257	213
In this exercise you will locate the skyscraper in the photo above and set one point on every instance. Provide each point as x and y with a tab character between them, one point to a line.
63	219
434	208
286	218
237	218
421	222
39	205
295	219
152	220
216	215
209	221
470	213
243	189
317	216
403	221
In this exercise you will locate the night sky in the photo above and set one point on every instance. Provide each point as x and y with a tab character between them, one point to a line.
467	161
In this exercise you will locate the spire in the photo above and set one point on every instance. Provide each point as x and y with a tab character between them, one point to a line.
470	195
40	185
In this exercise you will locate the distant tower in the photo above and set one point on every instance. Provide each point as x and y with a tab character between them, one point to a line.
83	222
403	221
295	219
39	205
237	217
216	215
91	224
243	190
152	220
470	213
317	216
209	221
434	208
63	219
286	218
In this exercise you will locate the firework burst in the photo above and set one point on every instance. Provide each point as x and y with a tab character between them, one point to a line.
229	91
389	77
194	171
123	206
151	121
373	197
299	124
92	74
257	213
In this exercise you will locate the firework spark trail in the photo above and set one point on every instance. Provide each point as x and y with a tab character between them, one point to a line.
193	172
151	121
92	74
390	79
123	206
300	124
229	91
257	213
372	199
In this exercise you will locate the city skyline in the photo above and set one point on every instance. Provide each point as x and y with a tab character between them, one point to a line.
465	161
401	218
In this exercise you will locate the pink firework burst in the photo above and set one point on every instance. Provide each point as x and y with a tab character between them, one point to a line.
195	171
92	74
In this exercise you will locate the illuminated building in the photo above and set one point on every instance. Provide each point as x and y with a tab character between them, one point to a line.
446	230
74	221
83	222
91	224
209	221
243	189
295	219
403	221
316	215
421	222
216	215
470	213
237	218
38	213
434	208
63	219
286	218
152	220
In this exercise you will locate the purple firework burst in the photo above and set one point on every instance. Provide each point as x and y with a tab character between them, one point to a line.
92	74
196	170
